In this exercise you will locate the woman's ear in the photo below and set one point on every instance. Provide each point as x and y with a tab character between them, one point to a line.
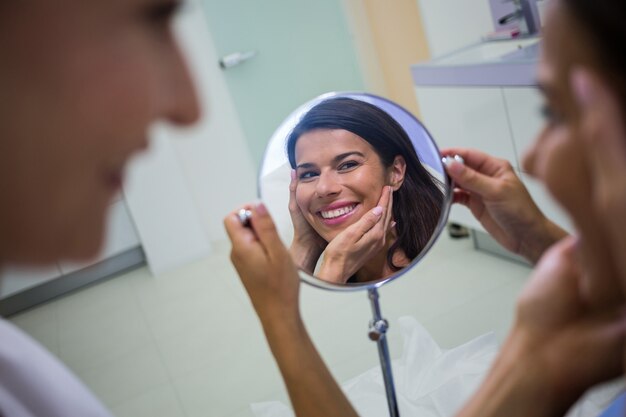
396	172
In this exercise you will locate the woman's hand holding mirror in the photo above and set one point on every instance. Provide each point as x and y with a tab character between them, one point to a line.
492	191
350	249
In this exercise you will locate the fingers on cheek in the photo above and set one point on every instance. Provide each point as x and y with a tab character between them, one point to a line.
380	238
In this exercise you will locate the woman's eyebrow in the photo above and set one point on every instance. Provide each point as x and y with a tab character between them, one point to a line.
336	159
347	154
305	165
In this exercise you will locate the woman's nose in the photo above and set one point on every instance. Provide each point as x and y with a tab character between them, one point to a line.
181	105
327	185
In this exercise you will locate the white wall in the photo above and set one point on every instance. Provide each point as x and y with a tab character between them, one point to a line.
214	156
179	192
362	37
453	24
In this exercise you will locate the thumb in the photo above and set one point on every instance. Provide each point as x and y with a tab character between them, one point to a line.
468	179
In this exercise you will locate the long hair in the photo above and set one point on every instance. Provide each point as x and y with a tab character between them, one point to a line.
417	204
603	23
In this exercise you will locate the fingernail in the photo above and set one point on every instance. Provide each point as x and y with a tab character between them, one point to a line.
293	174
393	224
453	164
261	209
378	210
581	86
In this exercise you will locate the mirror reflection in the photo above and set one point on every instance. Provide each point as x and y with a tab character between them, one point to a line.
362	184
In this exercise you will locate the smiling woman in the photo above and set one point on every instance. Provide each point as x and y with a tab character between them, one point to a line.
360	197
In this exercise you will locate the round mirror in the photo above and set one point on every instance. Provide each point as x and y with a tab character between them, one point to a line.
357	188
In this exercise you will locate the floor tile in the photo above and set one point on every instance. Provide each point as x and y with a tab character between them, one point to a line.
247	375
126	377
161	401
89	341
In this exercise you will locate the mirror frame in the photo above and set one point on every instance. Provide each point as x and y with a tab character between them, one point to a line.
443	218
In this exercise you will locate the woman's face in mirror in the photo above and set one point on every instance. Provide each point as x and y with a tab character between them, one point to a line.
363	205
340	177
81	82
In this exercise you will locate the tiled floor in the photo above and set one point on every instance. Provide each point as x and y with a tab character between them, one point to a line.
188	343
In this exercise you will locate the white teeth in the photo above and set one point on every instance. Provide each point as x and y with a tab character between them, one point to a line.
331	214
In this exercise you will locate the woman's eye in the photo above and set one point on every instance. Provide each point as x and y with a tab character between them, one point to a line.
307	175
549	115
160	14
348	165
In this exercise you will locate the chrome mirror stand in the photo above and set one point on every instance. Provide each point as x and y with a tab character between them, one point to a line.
378	333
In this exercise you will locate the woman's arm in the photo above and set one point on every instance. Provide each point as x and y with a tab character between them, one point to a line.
272	282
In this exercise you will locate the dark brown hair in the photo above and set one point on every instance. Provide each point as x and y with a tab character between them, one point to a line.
604	22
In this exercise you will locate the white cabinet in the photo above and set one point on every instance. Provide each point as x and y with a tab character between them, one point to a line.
465	116
501	121
524	112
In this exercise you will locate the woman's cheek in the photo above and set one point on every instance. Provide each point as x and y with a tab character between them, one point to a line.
565	174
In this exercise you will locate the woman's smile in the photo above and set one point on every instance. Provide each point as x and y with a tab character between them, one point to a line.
337	213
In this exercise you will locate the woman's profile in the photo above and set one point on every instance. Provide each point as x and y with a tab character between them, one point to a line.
360	199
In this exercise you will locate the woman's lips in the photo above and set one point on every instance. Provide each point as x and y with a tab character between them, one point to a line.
336	215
